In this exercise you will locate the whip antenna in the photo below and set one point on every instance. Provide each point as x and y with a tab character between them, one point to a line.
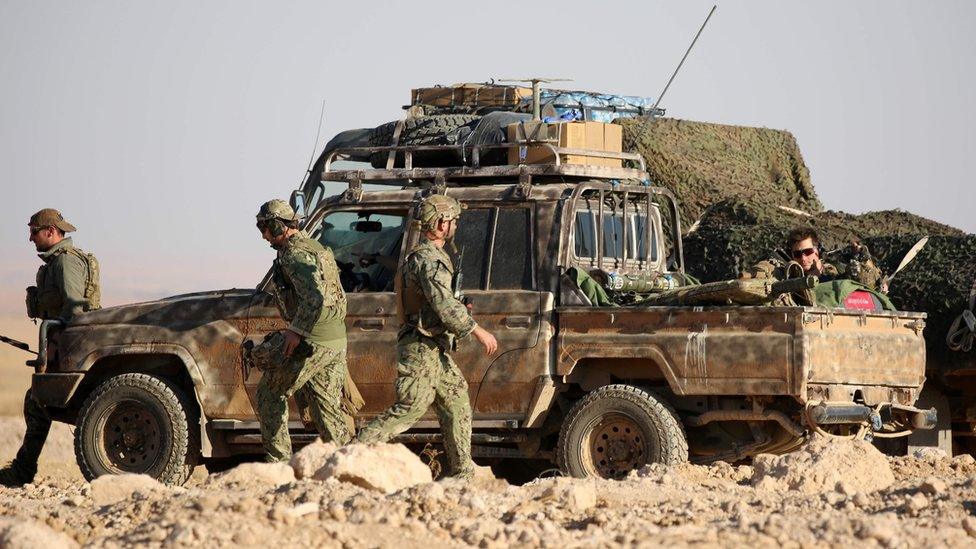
315	146
682	62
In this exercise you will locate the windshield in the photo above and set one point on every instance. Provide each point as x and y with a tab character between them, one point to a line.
316	191
366	245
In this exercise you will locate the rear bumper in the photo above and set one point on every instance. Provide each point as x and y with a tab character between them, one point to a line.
55	390
846	413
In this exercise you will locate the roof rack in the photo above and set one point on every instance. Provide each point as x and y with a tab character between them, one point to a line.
471	167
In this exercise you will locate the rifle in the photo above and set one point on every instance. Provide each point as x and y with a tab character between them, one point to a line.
19	344
458	280
792	285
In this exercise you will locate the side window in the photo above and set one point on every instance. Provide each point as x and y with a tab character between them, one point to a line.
472	239
497	248
366	245
511	257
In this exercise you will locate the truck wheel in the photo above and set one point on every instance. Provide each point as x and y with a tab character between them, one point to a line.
616	429
135	423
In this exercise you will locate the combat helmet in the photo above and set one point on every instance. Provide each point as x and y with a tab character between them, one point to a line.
274	214
435	207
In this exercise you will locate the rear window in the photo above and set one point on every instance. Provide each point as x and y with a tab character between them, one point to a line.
641	242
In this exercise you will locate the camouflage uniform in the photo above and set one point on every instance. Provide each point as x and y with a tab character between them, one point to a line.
307	290
67	284
858	266
776	269
431	318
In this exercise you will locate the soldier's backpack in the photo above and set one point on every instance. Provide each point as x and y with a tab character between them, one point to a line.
93	287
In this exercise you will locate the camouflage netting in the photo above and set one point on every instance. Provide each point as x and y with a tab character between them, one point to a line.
703	163
937	282
734	234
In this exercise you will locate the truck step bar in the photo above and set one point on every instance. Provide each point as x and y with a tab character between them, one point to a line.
406	438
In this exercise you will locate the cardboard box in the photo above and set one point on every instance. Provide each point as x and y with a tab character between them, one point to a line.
470	95
593	136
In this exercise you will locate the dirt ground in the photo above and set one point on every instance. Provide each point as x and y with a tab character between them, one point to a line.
828	493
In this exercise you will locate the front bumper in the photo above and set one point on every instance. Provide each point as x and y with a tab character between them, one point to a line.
55	390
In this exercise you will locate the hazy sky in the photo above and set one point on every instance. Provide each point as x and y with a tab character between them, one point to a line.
159	127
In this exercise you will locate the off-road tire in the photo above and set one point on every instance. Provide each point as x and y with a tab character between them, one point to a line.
161	444
648	427
425	130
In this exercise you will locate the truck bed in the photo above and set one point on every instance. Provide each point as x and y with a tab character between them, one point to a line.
808	353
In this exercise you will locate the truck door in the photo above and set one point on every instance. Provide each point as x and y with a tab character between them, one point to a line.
500	281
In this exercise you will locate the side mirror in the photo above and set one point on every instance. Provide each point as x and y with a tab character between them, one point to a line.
297	201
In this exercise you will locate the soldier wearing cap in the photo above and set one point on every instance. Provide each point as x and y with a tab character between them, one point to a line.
431	318
67	284
308	359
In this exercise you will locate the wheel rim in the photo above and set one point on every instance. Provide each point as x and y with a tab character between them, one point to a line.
616	445
132	440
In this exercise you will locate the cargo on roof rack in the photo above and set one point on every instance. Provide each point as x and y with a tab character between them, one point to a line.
472	168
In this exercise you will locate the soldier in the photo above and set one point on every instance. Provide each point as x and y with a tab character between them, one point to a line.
804	249
311	352
67	284
806	255
431	318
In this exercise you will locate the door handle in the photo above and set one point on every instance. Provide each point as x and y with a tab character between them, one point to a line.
517	321
369	324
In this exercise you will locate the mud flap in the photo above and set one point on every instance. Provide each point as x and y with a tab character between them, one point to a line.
941	436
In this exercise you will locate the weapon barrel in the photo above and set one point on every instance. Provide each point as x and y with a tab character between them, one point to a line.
19	344
793	285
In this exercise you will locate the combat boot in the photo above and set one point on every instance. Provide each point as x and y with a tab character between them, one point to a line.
13	476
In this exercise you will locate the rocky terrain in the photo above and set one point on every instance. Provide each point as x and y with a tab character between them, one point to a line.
834	493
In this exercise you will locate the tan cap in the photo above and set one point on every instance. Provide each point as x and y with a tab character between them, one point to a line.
49	217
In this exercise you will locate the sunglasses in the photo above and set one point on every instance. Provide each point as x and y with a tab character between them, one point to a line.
35	230
805	252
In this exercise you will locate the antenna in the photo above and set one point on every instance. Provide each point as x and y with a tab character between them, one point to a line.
315	146
536	101
682	62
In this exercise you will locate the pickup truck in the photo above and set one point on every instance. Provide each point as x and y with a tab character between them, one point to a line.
161	386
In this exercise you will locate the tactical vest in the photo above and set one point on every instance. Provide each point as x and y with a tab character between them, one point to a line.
410	299
46	300
328	273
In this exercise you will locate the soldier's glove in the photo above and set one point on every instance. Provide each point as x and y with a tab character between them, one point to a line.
33	307
246	361
268	354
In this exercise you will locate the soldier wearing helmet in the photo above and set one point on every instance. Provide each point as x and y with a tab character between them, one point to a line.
431	318
310	354
67	284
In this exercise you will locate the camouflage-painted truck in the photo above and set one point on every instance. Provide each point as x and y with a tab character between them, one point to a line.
160	386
